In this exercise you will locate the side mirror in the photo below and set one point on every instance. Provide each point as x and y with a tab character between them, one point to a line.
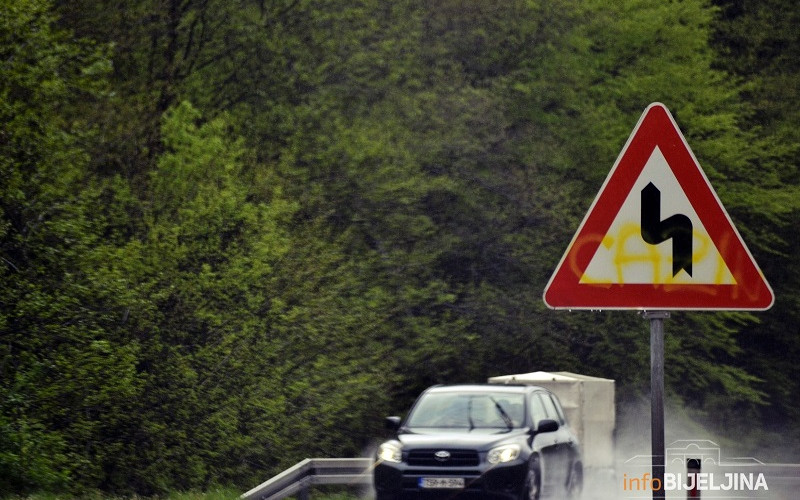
392	423
547	425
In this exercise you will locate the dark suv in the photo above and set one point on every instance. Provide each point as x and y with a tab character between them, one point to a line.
480	441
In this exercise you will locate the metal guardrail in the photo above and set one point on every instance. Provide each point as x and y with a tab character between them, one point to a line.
297	480
783	479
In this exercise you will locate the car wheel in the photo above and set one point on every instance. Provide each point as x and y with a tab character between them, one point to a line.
575	482
533	481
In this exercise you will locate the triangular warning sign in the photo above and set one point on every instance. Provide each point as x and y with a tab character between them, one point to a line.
657	236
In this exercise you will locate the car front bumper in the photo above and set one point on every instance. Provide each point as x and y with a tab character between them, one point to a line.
505	481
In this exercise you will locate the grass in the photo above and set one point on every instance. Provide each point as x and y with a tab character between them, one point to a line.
213	494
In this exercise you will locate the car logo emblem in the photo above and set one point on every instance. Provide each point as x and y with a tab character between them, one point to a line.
442	456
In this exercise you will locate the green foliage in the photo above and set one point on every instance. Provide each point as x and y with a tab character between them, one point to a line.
64	383
236	235
757	43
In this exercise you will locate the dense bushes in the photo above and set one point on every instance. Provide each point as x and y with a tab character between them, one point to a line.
236	234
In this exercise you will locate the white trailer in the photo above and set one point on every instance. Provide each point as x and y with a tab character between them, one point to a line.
589	405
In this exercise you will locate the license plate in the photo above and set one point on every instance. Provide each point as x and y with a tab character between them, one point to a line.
453	483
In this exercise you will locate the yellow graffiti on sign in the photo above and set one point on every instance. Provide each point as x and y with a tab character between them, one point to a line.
624	257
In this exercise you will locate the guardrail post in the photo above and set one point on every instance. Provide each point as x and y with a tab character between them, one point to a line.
692	469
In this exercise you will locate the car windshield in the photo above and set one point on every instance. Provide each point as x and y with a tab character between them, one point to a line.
468	410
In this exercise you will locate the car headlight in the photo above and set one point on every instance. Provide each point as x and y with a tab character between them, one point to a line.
390	452
505	453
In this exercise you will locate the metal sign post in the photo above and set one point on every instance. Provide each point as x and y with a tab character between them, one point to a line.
657	189
657	399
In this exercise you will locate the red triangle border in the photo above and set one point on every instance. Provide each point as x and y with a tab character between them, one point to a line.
657	127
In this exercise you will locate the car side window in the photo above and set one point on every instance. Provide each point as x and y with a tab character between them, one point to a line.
537	410
550	408
562	418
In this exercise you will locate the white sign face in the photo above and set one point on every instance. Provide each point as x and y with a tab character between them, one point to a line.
624	257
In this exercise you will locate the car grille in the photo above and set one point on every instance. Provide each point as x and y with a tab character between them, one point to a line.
458	458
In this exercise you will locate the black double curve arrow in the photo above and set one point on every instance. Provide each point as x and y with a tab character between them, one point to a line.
678	228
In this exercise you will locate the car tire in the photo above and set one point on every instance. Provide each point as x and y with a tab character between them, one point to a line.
575	482
533	482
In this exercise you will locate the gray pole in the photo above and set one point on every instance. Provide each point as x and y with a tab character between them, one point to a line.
657	398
